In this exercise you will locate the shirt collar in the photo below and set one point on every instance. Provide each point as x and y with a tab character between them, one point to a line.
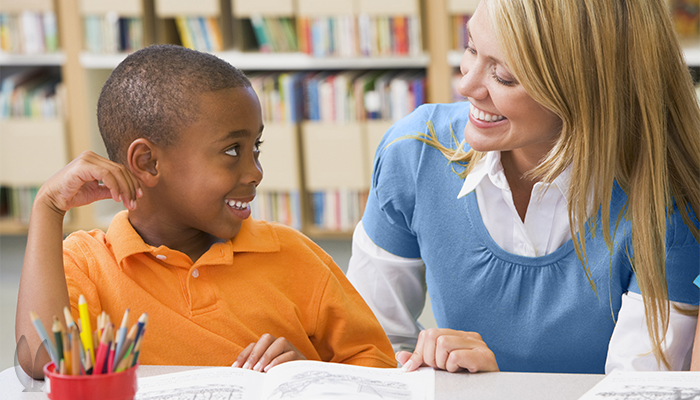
490	166
255	237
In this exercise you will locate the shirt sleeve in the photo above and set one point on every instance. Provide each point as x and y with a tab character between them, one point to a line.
630	347
393	287
76	264
346	331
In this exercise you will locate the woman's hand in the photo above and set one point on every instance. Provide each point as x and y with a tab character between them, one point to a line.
266	353
449	350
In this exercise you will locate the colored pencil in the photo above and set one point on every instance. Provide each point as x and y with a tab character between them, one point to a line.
45	339
76	364
110	360
140	325
103	350
67	353
121	335
58	337
126	349
69	318
88	362
86	334
137	348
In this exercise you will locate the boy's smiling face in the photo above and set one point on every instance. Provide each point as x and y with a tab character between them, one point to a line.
210	174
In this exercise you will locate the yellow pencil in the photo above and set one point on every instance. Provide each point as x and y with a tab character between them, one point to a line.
86	333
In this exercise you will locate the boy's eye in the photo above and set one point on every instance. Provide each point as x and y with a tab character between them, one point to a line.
258	143
233	151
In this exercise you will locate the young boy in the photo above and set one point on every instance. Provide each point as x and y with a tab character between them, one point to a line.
183	131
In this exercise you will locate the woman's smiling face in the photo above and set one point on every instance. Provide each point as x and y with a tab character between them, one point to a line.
502	115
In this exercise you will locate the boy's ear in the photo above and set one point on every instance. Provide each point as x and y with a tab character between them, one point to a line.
142	157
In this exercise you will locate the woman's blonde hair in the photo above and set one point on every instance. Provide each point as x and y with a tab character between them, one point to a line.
613	71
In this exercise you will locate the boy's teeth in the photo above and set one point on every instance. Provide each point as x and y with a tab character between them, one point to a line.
237	204
478	114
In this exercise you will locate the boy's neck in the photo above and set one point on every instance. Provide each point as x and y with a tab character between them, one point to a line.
193	243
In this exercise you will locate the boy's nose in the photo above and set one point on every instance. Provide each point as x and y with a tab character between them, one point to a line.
254	172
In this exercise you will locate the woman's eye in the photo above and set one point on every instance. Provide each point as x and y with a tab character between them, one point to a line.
233	151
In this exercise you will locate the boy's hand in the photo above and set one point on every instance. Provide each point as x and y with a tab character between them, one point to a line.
450	350
78	183
266	353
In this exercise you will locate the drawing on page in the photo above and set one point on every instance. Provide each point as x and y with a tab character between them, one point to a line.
649	392
321	384
199	392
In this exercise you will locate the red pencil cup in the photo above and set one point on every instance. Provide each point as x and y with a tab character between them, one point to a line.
114	386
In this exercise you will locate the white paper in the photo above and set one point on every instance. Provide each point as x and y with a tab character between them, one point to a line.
300	380
633	385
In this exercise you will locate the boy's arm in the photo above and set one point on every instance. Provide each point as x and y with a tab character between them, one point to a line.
42	287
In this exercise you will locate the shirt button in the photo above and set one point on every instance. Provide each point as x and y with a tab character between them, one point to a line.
161	257
195	273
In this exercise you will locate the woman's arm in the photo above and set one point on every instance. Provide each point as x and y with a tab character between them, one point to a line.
393	287
630	348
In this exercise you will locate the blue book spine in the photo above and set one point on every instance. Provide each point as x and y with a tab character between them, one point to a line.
318	208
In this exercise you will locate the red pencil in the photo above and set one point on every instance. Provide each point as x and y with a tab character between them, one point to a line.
110	360
103	350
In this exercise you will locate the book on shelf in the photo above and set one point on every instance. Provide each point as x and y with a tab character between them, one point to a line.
16	202
338	210
294	379
460	35
32	93
686	18
274	34
365	35
28	32
282	207
200	33
110	33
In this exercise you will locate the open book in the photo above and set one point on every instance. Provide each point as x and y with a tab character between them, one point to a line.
294	380
660	385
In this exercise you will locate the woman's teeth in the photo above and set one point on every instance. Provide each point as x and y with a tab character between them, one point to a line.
486	117
237	204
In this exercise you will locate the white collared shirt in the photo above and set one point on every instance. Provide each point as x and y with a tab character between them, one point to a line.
398	290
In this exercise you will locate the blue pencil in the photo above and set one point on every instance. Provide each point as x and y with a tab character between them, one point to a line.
121	336
48	344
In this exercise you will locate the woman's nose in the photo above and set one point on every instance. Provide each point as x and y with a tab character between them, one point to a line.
471	85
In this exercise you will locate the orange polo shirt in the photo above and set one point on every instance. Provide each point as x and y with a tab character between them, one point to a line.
268	279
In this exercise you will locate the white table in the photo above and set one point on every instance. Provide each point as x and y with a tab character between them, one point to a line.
482	386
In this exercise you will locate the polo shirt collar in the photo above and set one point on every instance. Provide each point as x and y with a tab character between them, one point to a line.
254	236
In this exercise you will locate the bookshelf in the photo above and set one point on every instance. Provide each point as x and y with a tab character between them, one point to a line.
301	156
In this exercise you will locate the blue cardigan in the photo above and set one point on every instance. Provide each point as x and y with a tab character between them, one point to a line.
535	313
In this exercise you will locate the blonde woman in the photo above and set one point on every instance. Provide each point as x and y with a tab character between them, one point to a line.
560	234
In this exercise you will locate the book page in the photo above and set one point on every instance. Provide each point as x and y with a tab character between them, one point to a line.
207	383
304	380
632	385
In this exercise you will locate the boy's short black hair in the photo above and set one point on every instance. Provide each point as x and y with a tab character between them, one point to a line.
152	95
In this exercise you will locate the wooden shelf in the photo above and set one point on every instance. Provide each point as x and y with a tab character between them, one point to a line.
272	61
692	56
12	227
51	59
